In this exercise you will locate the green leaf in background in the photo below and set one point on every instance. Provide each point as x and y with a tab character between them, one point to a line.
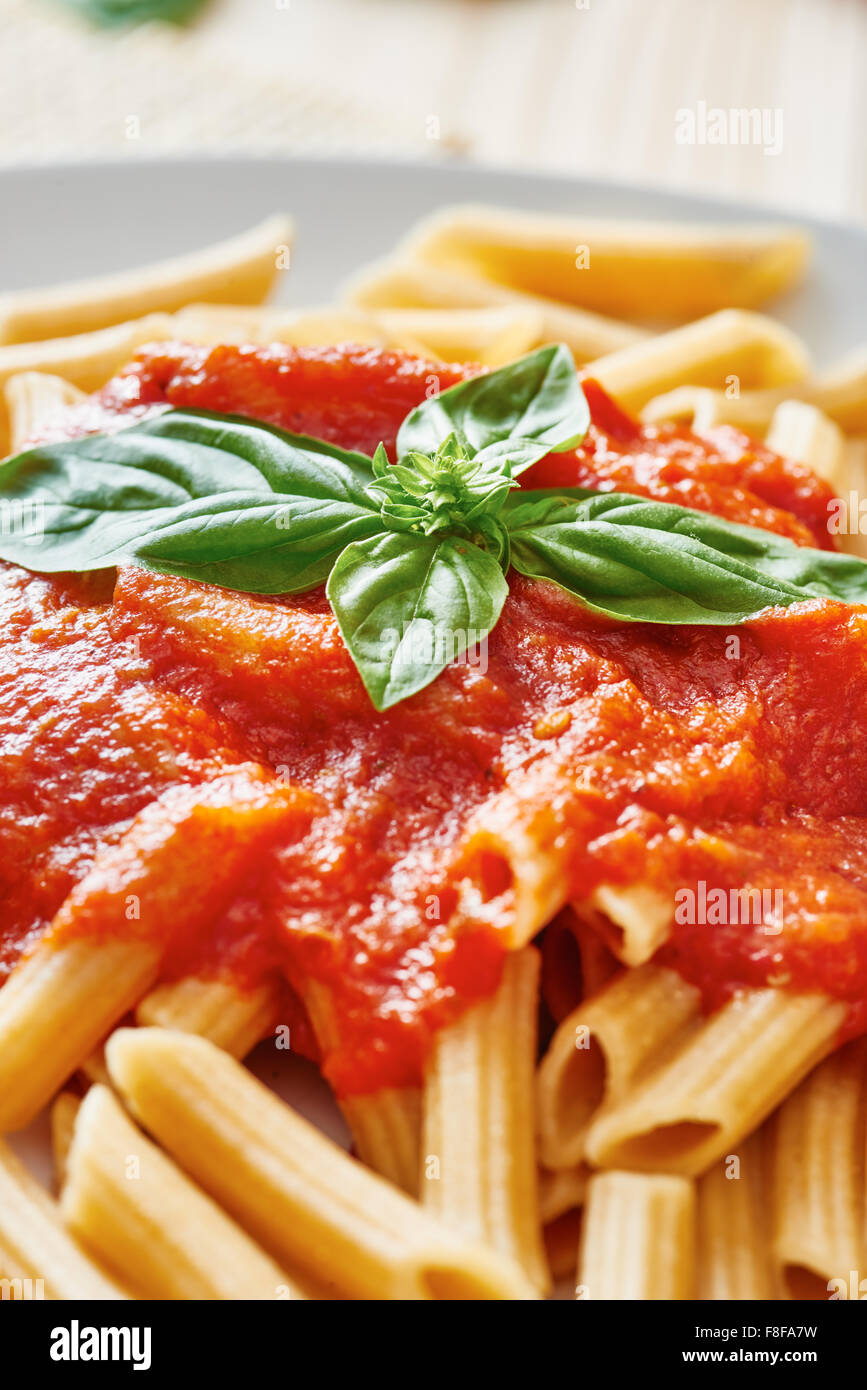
117	13
513	415
409	605
643	561
217	498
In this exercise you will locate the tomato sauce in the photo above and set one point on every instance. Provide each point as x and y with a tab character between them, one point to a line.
661	755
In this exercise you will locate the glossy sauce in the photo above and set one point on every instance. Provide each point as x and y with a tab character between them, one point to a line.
663	758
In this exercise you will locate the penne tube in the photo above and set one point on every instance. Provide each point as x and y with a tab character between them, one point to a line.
634	920
233	1018
240	323
386	1133
479	1172
308	1202
561	1192
729	346
637	1238
800	431
37	1245
93	1069
840	392
664	271
146	1222
490	336
562	1240
54	1009
852	536
396	284
63	1115
561	1202
702	408
62	1000
817	1179
733	1246
85	361
601	1049
598	963
723	1077
34	401
385	1125
241	269
512	870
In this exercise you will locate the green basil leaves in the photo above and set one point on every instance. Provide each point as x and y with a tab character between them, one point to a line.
211	497
414	555
530	408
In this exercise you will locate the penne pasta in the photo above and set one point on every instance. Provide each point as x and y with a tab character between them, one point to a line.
413	285
561	1202
725	347
642	270
598	963
852	536
601	1049
54	1009
561	1192
240	323
289	1186
233	1018
800	431
37	1245
386	1124
146	1222
635	920
817	1179
490	336
840	392
733	1247
33	400
666	1146
63	1116
478	1161
513	868
241	269
723	1077
637	1238
62	1000
85	361
386	1133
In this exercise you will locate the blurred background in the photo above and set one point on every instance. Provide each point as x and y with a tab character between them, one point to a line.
621	89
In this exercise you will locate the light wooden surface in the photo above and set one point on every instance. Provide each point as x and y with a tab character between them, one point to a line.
586	86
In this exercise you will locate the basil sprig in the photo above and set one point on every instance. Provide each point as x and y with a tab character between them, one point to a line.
414	555
110	13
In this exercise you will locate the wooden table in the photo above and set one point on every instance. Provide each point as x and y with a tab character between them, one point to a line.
597	87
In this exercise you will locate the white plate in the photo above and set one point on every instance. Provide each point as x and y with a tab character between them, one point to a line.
61	223
71	221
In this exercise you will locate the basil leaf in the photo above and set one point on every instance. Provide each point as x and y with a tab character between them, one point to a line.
120	12
642	561
516	414
217	498
409	605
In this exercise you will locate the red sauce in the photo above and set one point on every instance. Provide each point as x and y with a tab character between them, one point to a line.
652	752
